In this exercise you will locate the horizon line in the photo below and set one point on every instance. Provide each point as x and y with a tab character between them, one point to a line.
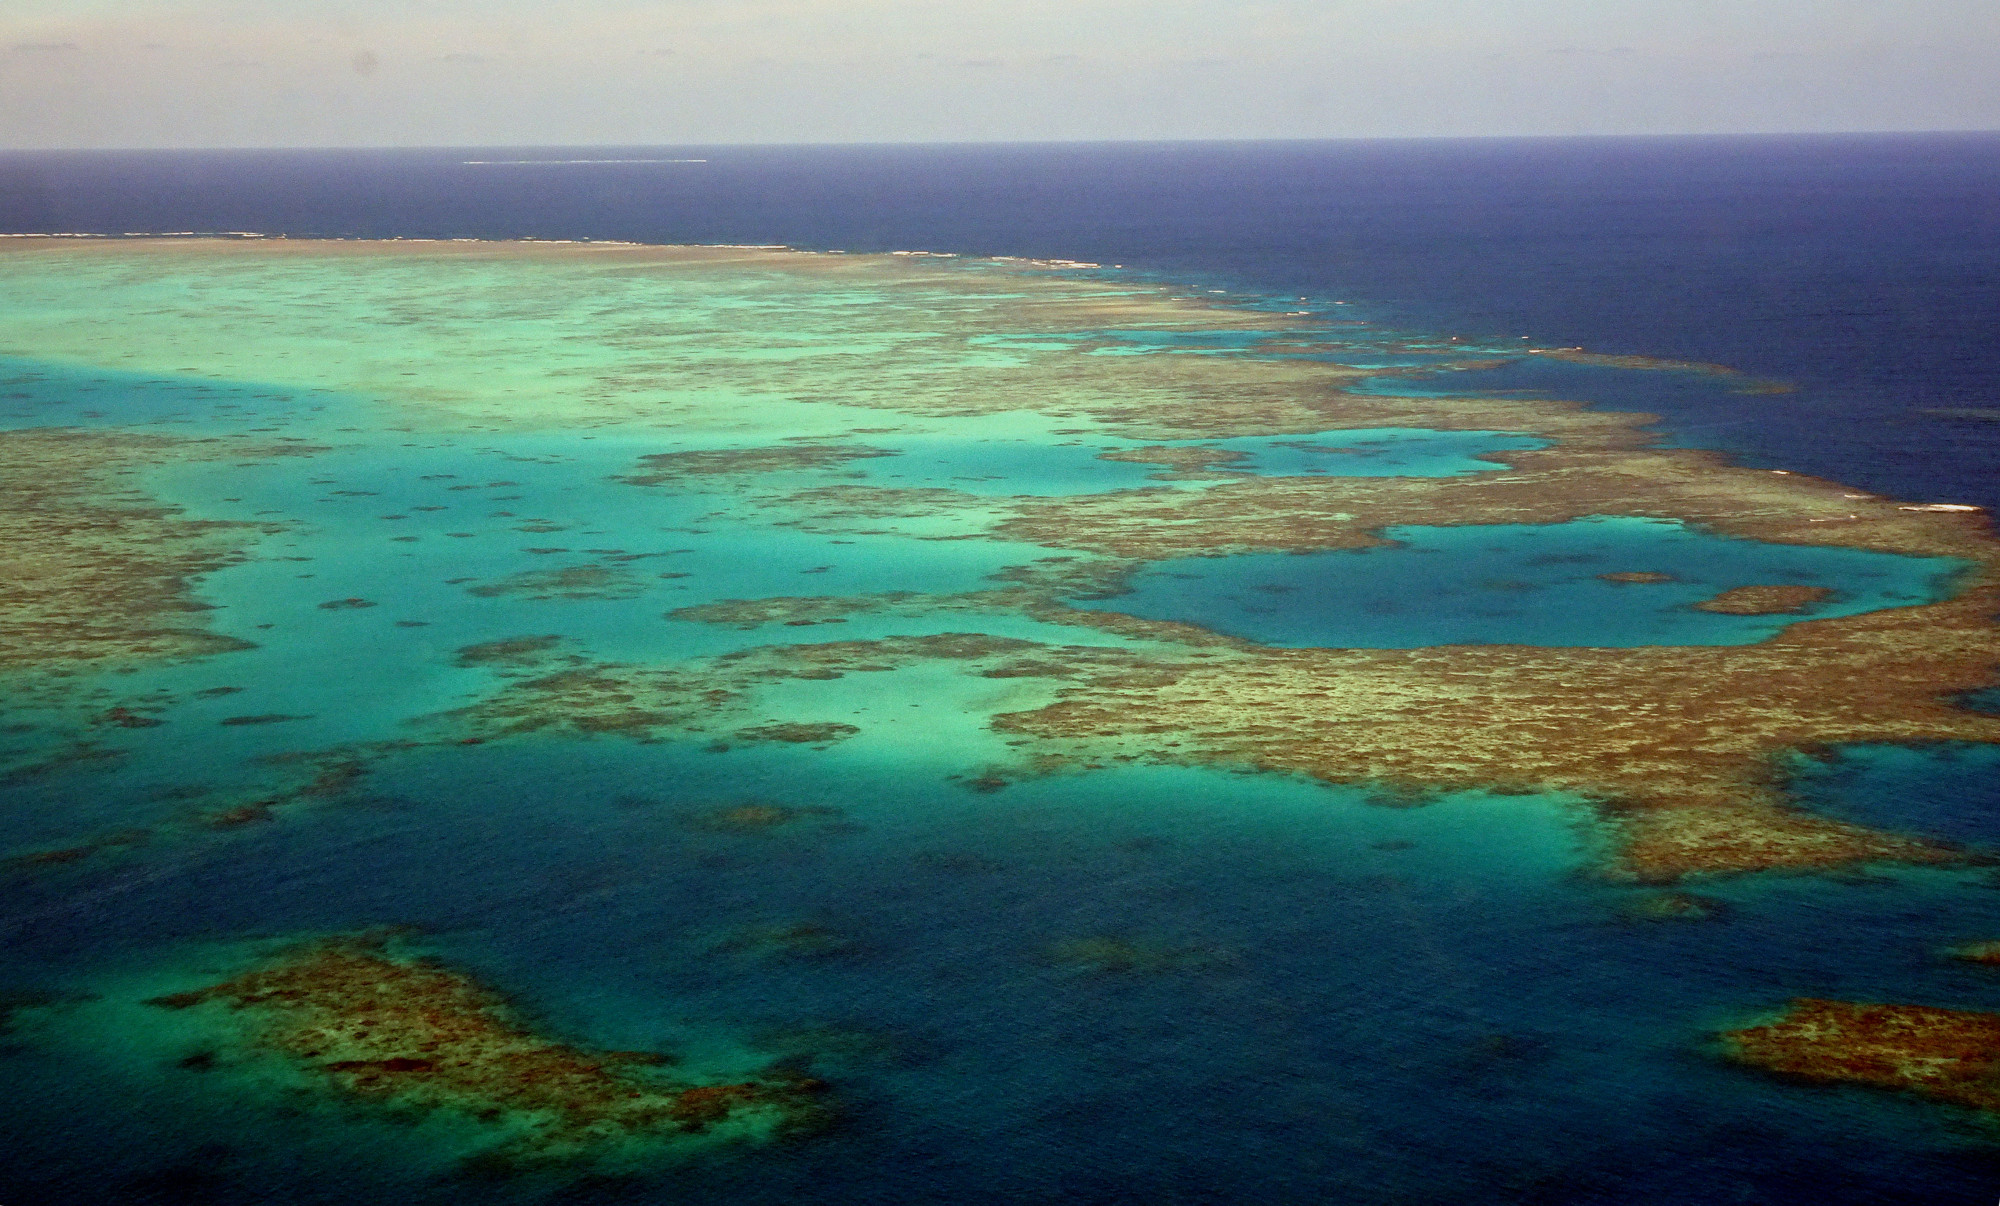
1703	136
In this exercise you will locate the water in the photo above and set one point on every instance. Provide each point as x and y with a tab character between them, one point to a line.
1861	268
1524	584
1324	995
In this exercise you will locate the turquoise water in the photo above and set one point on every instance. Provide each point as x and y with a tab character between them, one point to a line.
1334	997
1520	584
40	393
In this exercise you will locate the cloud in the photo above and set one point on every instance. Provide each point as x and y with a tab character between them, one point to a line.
45	48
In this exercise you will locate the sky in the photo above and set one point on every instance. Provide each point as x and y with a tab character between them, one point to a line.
192	73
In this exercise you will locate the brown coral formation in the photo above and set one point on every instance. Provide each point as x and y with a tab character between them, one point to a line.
296	779
366	1022
822	733
1190	462
1680	748
664	468
1765	600
758	816
94	573
798	610
1950	1055
511	651
1637	577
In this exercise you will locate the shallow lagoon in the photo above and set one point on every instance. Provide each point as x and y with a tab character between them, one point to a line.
1520	584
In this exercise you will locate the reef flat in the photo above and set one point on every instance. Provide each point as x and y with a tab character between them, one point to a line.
403	1032
94	572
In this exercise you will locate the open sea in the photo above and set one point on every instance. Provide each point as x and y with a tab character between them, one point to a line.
1311	997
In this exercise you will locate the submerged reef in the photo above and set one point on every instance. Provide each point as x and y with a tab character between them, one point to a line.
663	468
1950	1055
1116	955
360	1019
1978	952
1674	906
569	582
93	573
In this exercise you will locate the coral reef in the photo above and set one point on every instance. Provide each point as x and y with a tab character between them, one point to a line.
363	1020
1978	952
1673	906
92	573
1680	748
1948	1055
511	651
1764	600
1180	462
1581	477
822	734
664	468
756	816
569	582
1637	577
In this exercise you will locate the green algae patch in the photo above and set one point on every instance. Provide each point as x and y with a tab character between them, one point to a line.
363	1021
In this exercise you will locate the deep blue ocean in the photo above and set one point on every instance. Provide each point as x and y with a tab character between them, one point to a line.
1344	1002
